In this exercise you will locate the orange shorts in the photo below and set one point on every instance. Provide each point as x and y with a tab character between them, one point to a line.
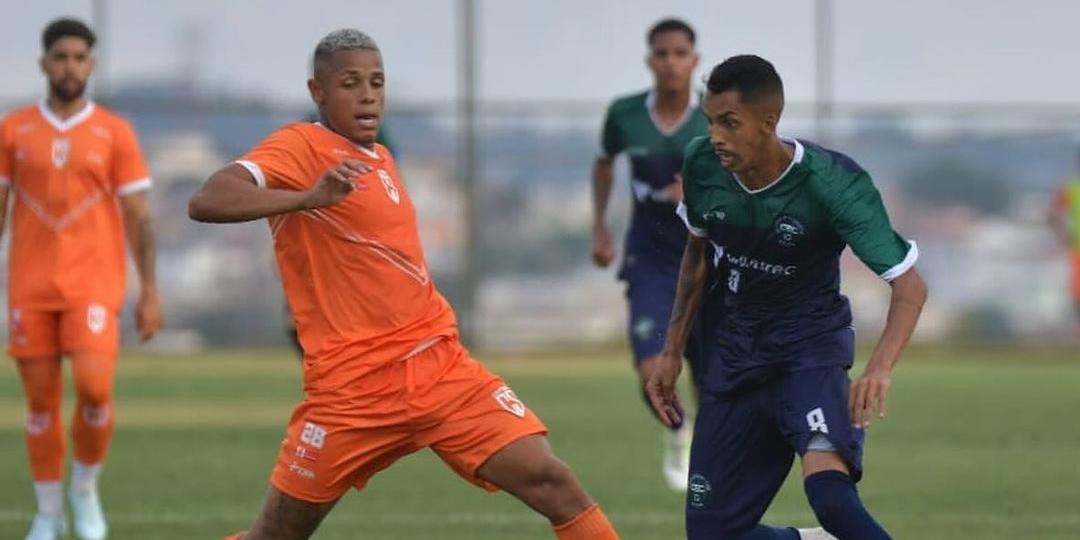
439	398
82	328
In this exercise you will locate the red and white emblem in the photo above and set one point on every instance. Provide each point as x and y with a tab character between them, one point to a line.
509	401
61	149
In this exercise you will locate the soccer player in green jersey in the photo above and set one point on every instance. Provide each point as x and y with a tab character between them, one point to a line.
777	339
652	128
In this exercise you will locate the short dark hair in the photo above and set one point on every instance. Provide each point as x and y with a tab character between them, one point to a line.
670	25
67	27
750	75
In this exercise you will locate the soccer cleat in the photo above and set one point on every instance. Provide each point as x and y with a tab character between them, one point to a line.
815	534
677	457
47	528
88	518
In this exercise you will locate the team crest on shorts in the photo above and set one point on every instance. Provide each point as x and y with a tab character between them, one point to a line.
645	328
97	317
509	401
698	491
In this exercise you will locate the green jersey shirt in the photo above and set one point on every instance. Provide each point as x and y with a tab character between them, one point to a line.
655	239
776	305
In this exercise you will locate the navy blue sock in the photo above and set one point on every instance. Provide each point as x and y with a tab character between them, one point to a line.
837	506
764	532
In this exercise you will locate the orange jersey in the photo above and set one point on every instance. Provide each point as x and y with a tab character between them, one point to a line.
67	235
354	273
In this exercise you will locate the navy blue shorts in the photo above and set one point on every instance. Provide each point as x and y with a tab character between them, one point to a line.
745	443
651	296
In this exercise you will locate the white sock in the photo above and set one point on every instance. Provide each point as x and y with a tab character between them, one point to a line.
84	478
50	498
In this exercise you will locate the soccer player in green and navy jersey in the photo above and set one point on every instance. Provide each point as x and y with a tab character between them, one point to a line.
777	339
652	128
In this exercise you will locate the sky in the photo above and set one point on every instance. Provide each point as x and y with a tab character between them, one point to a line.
959	51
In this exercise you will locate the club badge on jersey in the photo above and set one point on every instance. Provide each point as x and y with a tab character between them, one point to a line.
388	184
61	149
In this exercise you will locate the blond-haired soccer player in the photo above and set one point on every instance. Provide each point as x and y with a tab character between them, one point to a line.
384	372
79	182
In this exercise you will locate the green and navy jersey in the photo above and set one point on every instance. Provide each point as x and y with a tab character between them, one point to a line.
656	238
776	304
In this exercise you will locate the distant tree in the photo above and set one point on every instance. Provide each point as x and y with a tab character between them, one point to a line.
950	183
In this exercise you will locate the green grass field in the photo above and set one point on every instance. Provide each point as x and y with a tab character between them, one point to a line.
980	444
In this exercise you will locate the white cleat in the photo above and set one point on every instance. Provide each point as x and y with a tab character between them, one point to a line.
47	528
677	458
88	518
815	534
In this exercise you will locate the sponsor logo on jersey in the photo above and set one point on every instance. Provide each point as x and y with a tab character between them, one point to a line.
788	231
714	215
509	401
743	261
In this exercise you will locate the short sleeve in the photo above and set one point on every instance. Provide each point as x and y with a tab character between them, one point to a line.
692	193
858	215
6	171
283	160
130	173
611	139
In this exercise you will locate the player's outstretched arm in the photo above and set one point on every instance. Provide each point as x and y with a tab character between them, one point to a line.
603	175
870	391
688	296
231	195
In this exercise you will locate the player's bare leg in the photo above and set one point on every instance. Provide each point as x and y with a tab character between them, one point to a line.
529	470
676	460
286	518
43	385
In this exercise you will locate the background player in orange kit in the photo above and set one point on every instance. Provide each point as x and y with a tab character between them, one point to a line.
384	372
79	182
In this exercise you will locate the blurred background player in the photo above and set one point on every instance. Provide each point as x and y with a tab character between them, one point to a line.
385	374
79	183
777	334
652	128
1065	221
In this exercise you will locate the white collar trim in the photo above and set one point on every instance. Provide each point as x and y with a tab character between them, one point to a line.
369	152
72	121
650	105
797	158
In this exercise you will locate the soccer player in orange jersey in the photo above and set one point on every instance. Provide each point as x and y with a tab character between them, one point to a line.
384	372
79	182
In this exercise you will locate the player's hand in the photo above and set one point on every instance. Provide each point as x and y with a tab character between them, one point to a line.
603	251
868	396
660	387
673	192
148	313
337	183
